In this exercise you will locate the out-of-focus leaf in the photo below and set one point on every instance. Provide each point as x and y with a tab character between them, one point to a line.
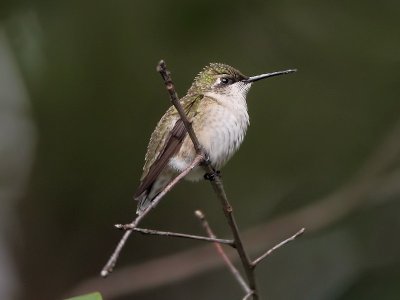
91	296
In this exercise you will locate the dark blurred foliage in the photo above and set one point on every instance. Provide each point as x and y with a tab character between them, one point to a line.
89	69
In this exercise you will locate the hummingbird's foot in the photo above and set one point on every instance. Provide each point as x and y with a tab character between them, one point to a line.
213	175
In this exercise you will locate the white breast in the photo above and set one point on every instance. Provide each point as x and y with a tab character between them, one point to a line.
221	131
227	125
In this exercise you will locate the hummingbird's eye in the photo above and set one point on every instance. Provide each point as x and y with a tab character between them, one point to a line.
226	80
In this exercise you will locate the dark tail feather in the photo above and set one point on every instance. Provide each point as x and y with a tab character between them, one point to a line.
144	202
147	196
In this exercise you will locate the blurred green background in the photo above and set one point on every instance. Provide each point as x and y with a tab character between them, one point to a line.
79	98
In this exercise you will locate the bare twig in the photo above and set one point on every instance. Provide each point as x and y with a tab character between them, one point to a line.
108	268
216	182
284	242
222	253
212	239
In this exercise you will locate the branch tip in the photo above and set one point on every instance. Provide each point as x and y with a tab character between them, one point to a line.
199	214
161	65
277	246
104	273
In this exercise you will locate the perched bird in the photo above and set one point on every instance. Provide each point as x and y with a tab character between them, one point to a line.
216	106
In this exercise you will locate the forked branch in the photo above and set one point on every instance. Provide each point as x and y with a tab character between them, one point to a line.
108	268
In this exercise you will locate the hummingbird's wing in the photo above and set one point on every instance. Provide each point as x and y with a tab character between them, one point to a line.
165	142
173	142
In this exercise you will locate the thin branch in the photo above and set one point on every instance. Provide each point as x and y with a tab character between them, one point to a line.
228	211
222	253
108	268
246	297
284	242
216	182
212	239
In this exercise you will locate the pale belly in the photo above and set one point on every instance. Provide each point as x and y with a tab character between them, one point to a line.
220	134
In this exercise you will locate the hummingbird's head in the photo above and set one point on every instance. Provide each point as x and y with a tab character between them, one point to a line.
222	79
219	78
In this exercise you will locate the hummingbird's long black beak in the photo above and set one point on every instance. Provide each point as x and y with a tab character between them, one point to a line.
262	76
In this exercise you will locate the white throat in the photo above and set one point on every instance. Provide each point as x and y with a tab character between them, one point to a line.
233	96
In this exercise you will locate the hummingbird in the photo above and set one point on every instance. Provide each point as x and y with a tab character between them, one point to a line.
216	106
